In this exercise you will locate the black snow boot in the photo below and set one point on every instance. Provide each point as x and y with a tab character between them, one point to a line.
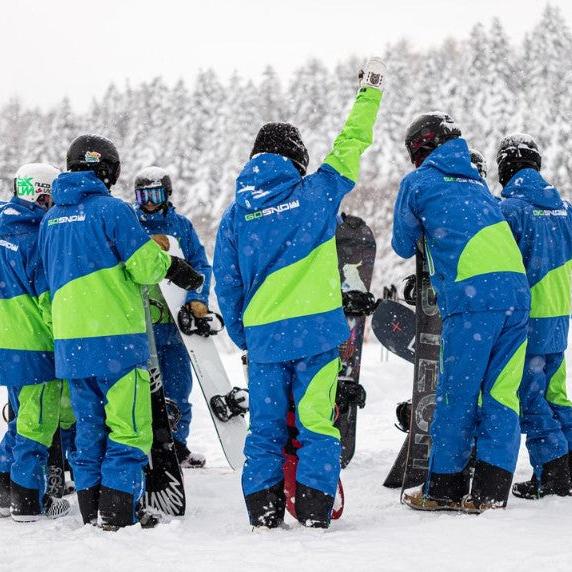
88	501
449	487
266	508
4	494
25	502
313	507
555	480
490	489
116	509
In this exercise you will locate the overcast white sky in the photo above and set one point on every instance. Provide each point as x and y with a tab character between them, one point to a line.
55	48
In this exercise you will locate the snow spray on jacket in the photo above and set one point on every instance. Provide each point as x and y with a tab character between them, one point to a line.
26	344
275	263
474	261
96	256
542	225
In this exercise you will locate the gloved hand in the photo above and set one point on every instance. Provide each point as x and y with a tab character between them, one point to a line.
184	275
208	325
373	74
198	309
162	241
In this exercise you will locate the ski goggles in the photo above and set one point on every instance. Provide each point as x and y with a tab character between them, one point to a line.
154	195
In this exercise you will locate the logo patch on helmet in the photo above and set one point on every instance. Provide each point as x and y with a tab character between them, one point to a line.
92	157
24	186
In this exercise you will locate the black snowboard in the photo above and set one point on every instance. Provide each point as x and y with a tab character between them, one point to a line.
56	472
410	467
356	256
394	326
164	490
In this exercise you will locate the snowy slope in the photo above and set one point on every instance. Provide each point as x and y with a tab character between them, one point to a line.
375	533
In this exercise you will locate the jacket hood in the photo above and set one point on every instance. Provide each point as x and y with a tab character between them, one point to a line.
530	186
20	217
452	158
72	188
266	180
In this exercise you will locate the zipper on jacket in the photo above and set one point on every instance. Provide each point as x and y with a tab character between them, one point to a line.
134	407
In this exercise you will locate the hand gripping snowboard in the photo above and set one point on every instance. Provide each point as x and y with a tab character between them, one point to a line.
356	255
210	373
164	489
411	465
394	326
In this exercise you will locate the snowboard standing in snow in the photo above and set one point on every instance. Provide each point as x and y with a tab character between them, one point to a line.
210	374
411	465
356	256
56	481
165	489
394	325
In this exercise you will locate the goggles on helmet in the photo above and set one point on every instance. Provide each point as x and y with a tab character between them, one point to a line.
153	195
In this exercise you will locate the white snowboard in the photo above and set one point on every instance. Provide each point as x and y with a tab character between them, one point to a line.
209	372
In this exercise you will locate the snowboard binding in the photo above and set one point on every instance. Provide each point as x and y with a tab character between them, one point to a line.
349	393
358	303
209	325
233	404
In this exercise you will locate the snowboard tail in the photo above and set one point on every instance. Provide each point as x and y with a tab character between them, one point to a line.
394	326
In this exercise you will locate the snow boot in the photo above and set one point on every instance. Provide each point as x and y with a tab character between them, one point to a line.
4	495
187	459
490	489
313	507
555	480
417	500
266	508
88	500
118	510
449	487
25	505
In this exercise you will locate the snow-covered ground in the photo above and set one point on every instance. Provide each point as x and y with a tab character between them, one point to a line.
375	533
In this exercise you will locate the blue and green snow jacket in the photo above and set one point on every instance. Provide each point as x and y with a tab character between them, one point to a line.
96	256
275	262
542	225
26	343
474	261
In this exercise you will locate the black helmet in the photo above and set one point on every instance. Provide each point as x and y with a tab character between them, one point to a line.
283	139
153	187
479	162
517	151
427	132
95	153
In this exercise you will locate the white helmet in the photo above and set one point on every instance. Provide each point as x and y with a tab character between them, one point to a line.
34	180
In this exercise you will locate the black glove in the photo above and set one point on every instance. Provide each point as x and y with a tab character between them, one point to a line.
184	275
209	325
358	303
410	290
349	393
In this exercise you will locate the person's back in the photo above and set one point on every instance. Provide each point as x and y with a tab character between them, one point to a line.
278	288
542	226
475	264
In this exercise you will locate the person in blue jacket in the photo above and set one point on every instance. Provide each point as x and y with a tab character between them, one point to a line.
26	351
97	256
278	288
542	226
153	189
483	296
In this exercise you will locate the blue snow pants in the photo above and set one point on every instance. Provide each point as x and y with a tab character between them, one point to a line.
313	382
546	411
24	448
482	362
177	374
114	433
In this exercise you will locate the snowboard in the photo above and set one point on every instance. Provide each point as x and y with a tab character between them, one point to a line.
291	465
209	372
411	465
394	325
164	490
356	256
